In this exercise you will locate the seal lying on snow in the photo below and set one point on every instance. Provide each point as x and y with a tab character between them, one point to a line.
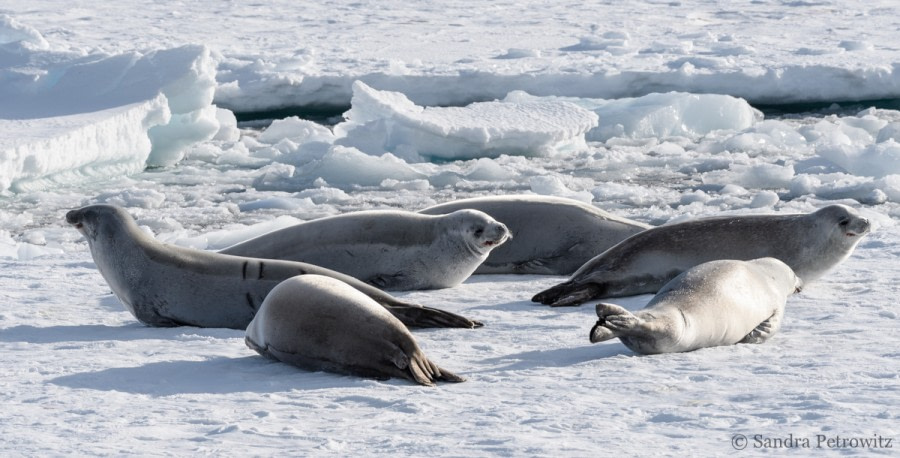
551	235
810	244
394	250
319	323
714	303
167	285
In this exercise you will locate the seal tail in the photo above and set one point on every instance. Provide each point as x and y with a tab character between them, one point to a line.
568	294
613	321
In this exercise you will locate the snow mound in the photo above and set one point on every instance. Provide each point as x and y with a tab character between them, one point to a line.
44	153
862	145
341	167
67	116
384	121
660	115
18	34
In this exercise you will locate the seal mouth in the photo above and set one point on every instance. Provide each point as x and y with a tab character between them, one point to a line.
864	227
502	237
493	242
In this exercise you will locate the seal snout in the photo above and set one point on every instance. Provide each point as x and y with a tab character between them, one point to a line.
73	217
501	235
863	228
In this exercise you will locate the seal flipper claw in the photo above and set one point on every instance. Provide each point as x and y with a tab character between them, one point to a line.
418	370
448	376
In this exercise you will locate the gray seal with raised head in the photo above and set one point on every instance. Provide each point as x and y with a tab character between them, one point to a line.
321	324
390	249
167	285
551	235
810	244
715	303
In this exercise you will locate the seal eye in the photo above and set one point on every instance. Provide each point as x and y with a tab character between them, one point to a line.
479	232
844	222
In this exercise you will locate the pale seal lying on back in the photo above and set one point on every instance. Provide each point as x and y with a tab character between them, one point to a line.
393	250
551	235
809	243
319	323
715	303
167	285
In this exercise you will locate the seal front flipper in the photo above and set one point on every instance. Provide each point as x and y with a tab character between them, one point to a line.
765	330
549	295
388	282
568	294
427	317
578	297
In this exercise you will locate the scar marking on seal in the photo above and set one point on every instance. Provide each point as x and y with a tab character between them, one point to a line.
250	301
262	267
244	270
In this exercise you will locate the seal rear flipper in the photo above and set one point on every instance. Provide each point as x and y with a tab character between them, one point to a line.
447	376
443	374
421	370
613	321
428	317
765	330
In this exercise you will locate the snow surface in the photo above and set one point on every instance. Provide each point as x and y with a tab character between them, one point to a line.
646	110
